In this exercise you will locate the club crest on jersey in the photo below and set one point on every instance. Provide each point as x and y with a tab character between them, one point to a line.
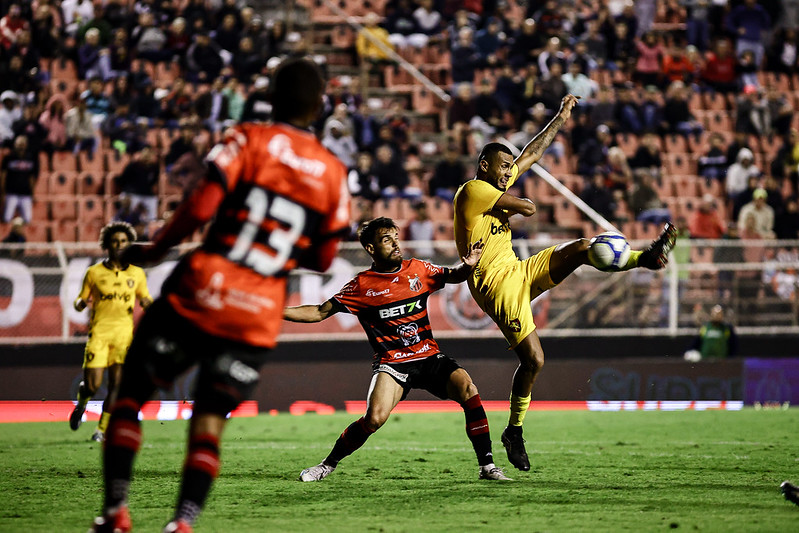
130	283
515	325
409	333
415	283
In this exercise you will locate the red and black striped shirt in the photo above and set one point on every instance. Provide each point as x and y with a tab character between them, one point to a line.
392	308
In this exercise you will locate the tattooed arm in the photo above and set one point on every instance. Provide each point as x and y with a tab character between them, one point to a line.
535	148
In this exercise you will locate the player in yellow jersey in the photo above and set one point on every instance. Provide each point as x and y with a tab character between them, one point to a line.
113	288
502	284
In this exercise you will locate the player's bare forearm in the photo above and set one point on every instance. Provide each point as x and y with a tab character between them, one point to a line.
535	149
309	313
460	273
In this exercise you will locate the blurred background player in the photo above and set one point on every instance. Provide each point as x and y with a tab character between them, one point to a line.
716	338
280	201
112	286
390	301
502	284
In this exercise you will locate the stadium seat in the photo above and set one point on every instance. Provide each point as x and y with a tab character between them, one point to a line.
628	142
64	161
439	210
715	101
444	231
91	208
566	214
110	185
63	207
63	182
675	144
93	163
41	210
719	121
679	164
42	185
64	231
89	231
685	186
92	182
38	232
116	162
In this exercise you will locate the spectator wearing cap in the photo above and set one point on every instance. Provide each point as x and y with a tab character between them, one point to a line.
740	172
10	112
593	154
80	127
257	107
749	21
705	222
18	174
762	213
339	141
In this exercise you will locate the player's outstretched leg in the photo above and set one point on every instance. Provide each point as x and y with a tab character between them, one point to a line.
657	255
790	491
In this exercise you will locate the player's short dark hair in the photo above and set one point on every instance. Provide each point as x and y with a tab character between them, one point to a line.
490	150
115	227
296	88
368	231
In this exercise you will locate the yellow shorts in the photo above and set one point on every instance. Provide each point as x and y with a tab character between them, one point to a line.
505	294
107	347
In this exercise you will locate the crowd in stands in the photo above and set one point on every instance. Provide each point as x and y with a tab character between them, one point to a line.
687	107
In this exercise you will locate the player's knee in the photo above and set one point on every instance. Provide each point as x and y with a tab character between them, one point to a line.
374	420
534	362
470	391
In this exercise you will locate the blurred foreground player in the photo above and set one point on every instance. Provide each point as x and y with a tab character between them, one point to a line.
502	284
390	300
112	286
280	201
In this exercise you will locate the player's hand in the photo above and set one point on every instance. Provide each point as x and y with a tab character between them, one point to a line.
473	253
566	106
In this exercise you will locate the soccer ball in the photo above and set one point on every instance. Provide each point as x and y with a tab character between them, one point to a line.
609	251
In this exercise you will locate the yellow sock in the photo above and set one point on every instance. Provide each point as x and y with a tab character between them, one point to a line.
632	262
518	408
103	424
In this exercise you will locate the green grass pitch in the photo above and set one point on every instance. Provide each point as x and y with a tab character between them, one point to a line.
592	471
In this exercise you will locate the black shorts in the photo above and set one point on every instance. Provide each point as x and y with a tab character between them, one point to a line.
165	345
430	374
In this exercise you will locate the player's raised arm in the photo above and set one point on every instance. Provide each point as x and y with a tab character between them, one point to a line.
469	261
311	313
516	205
536	147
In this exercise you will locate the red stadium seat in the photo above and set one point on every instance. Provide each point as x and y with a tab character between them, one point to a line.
64	161
116	162
92	182
89	231
91	208
38	232
64	231
41	210
439	210
93	163
63	182
63	207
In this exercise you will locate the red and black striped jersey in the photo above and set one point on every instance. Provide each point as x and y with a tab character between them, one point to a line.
285	204
392	308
